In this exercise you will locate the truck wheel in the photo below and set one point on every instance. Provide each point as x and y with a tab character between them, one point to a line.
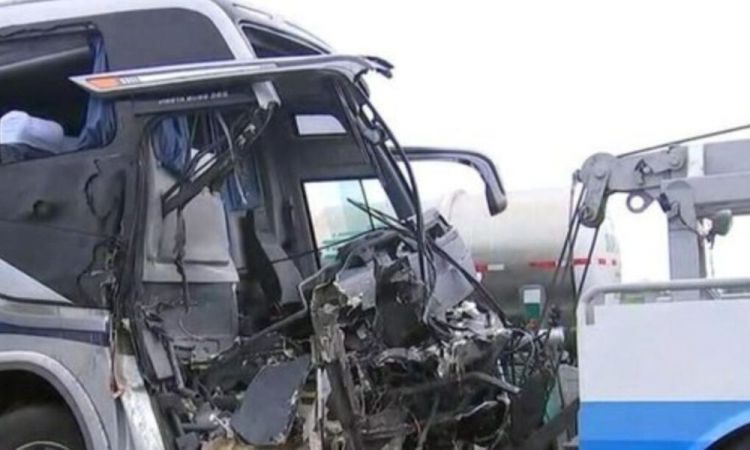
40	427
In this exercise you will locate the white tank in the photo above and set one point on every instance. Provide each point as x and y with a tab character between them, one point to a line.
519	248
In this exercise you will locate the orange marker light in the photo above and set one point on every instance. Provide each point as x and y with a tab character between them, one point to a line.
104	83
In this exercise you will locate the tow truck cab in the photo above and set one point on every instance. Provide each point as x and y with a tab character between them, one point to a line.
164	285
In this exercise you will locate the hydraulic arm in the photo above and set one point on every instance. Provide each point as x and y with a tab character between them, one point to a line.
690	183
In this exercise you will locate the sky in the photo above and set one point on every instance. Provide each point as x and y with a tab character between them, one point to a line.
540	86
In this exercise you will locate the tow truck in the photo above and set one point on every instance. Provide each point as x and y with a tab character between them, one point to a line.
664	364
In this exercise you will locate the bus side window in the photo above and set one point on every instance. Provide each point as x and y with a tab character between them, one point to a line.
42	113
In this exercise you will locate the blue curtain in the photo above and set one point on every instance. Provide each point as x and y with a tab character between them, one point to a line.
100	125
240	192
173	142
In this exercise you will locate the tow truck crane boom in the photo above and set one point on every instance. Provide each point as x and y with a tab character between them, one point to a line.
690	183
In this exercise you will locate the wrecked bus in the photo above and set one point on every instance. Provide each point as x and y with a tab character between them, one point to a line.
161	284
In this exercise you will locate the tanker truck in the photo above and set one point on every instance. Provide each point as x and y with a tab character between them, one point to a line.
516	252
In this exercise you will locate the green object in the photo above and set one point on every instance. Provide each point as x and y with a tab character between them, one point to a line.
533	297
533	310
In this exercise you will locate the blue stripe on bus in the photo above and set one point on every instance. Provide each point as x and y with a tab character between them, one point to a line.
672	425
100	338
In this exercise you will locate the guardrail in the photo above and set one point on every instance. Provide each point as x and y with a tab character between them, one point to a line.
586	300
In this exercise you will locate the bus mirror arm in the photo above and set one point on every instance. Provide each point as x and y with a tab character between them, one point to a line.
483	165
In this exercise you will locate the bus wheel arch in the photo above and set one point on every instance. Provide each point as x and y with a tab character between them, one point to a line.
55	383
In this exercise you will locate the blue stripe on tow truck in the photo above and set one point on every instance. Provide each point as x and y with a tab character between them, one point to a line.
100	338
668	425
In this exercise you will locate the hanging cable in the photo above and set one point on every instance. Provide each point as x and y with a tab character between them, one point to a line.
416	200
588	263
565	258
346	101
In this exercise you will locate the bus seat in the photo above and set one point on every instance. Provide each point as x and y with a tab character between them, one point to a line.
24	137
